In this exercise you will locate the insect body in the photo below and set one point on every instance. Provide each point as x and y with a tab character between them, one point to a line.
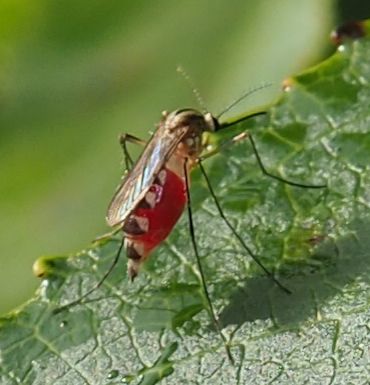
153	195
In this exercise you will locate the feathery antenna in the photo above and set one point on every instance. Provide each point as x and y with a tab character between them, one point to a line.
194	89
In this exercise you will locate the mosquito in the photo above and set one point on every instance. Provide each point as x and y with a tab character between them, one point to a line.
155	192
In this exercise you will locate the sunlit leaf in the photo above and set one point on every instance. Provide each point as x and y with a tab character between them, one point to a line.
315	240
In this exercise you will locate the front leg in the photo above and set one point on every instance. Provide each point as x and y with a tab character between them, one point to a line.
125	138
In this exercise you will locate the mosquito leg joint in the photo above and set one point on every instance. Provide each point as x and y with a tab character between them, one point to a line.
241	136
124	138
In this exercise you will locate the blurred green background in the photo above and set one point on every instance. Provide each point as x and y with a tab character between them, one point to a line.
76	73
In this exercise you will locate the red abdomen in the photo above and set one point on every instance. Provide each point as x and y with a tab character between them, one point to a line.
157	214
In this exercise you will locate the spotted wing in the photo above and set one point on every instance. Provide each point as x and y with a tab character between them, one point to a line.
137	182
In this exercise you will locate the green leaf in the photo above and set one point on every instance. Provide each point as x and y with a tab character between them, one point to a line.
316	241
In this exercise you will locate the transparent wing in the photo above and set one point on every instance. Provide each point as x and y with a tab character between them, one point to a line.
137	182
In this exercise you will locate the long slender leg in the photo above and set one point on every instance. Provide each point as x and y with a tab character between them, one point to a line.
124	138
245	135
128	138
267	173
200	268
102	279
240	239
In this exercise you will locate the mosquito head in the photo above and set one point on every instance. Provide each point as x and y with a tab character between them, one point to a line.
190	124
191	119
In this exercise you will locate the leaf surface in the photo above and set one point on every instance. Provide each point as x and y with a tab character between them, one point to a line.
315	240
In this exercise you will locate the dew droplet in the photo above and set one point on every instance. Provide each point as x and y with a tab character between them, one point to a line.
127	379
113	374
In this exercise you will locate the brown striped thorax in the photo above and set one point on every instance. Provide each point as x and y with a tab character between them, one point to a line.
152	195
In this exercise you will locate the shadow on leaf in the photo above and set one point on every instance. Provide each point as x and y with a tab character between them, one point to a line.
341	263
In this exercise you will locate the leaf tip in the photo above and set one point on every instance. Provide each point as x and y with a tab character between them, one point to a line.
45	266
40	267
287	84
